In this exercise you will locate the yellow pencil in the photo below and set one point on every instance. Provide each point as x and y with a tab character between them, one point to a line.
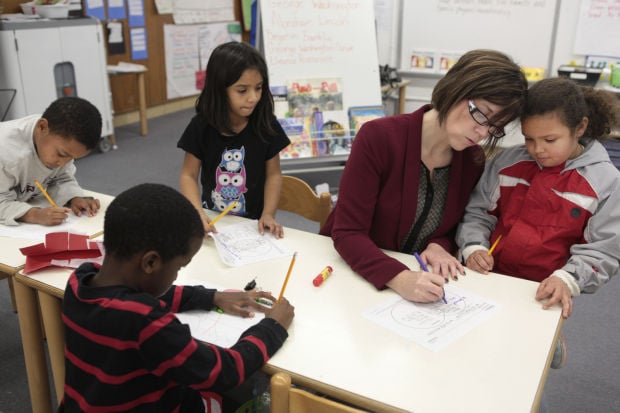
288	274
494	245
96	234
224	212
44	192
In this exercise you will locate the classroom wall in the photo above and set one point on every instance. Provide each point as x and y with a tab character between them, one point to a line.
565	22
388	27
124	88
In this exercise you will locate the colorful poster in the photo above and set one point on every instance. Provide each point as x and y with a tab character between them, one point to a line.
306	96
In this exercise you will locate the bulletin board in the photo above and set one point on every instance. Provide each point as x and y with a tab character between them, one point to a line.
333	39
434	28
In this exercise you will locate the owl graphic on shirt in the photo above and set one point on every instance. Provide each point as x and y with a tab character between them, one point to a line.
232	159
230	185
221	204
230	180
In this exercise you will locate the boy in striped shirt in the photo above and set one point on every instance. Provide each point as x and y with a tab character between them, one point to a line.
125	349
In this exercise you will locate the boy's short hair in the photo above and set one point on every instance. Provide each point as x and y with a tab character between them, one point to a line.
74	118
150	217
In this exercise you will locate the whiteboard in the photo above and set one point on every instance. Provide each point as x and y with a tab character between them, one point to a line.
334	39
523	29
598	30
387	39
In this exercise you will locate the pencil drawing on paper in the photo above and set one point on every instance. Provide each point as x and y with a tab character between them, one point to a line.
220	329
244	244
241	244
433	325
430	315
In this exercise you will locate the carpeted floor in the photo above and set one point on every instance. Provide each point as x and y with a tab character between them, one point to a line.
590	382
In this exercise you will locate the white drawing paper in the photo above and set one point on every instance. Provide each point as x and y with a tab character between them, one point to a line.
220	329
212	327
241	244
38	232
434	325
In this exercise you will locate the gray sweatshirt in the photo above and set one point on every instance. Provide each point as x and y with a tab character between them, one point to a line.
20	166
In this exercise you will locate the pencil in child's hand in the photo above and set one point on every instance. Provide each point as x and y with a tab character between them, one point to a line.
288	274
96	234
494	245
224	212
44	192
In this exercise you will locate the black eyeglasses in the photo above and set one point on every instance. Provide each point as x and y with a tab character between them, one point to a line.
482	120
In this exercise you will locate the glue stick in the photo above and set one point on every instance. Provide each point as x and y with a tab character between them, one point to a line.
318	280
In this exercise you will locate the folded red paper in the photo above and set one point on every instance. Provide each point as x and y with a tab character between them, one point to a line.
61	249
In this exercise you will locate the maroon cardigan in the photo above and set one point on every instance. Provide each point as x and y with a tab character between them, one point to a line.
378	193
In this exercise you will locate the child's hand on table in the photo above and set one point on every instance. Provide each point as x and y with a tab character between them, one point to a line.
555	291
242	303
87	205
268	222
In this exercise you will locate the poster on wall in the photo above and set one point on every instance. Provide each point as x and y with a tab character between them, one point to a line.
213	34
116	9
136	13
94	8
138	43
201	11
182	61
187	49
116	38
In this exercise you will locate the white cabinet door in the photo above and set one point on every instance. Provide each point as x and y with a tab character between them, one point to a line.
38	51
80	47
83	47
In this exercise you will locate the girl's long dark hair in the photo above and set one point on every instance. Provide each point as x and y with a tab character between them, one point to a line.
227	63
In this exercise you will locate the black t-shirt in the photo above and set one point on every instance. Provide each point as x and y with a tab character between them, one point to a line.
233	167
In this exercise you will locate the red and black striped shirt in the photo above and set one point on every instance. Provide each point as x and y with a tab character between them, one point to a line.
126	350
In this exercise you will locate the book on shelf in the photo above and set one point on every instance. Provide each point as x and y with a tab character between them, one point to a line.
319	134
358	115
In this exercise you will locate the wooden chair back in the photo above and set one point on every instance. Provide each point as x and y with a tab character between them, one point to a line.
299	198
285	399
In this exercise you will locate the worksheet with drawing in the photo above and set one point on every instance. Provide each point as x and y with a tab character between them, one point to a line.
241	244
37	232
214	327
433	325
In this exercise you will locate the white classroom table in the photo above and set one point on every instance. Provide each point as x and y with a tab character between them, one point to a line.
501	365
11	256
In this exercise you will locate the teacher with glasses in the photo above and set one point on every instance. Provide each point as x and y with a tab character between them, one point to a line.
408	177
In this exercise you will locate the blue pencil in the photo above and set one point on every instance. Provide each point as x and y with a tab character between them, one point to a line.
425	268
